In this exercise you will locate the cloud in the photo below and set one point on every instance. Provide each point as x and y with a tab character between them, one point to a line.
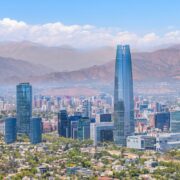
56	34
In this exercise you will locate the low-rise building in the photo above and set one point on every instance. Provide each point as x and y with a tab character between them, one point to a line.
141	142
101	132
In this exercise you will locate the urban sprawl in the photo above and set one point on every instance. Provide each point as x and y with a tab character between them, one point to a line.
100	137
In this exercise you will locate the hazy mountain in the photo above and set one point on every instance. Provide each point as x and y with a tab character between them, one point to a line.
160	65
12	70
63	58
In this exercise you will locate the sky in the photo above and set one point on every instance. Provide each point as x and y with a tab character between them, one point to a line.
91	23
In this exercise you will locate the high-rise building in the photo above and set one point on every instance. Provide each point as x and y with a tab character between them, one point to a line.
73	126
35	130
83	128
86	109
63	123
123	96
23	107
162	121
175	121
10	130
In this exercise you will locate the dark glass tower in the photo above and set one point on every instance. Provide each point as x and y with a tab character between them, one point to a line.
63	123
23	107
10	130
123	96
35	130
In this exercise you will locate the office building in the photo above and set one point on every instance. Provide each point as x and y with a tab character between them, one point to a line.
175	121
86	109
103	118
63	123
83	128
168	141
10	130
123	96
35	130
23	107
101	132
73	126
142	142
162	121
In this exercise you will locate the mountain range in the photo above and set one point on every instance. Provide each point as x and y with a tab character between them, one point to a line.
27	61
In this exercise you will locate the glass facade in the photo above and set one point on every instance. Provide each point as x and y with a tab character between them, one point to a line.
175	121
83	129
10	130
63	123
23	107
162	121
123	96
73	125
35	130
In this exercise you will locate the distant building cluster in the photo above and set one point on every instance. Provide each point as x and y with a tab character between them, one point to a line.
134	121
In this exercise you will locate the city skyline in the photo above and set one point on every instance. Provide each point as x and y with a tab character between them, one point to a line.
89	89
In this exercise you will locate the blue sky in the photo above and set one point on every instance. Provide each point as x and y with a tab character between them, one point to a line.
141	23
132	15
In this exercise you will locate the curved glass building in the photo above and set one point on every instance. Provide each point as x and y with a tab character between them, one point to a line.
123	96
23	107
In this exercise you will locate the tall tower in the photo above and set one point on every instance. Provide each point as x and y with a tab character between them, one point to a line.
23	107
123	96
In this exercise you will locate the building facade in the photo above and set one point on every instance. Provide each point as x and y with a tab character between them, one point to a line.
123	96
162	121
63	123
101	132
175	121
142	142
103	118
23	107
10	130
73	126
86	109
168	141
35	130
83	128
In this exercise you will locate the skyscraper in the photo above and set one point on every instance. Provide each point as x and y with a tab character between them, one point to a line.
86	108
35	130
10	130
23	107
123	96
63	123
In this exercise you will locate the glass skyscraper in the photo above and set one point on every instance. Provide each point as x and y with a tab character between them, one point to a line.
23	107
63	123
10	130
36	130
123	96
